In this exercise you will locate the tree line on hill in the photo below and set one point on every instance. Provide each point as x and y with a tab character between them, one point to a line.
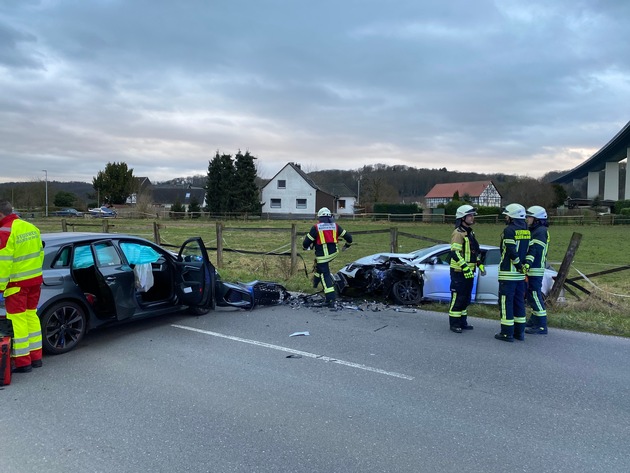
233	186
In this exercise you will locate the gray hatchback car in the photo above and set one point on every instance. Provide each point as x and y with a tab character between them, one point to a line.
96	279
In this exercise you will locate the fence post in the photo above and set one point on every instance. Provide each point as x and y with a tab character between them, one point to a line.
64	225
156	233
105	225
293	248
393	240
552	297
219	245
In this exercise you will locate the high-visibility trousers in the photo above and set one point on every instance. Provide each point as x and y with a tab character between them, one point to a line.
21	305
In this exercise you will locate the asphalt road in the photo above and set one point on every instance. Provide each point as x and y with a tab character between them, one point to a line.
363	392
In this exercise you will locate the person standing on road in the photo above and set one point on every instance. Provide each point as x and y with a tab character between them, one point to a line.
512	286
464	258
324	236
535	268
21	258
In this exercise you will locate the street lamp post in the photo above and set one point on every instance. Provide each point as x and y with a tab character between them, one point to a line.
46	191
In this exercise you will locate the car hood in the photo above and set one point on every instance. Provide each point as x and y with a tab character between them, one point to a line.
382	257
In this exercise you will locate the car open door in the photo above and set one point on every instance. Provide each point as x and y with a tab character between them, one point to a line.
196	275
116	281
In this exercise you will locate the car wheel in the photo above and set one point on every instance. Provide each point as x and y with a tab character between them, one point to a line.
406	292
63	326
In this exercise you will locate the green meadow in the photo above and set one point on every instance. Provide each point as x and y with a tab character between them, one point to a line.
602	247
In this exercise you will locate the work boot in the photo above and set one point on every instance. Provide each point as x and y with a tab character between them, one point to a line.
23	369
36	363
455	324
464	323
503	337
536	330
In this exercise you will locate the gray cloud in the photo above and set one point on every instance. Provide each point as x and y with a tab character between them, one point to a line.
520	87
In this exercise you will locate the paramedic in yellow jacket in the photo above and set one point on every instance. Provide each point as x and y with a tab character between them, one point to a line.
21	258
324	236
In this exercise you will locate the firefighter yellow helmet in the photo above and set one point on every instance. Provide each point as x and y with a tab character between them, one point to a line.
324	212
514	211
464	210
537	211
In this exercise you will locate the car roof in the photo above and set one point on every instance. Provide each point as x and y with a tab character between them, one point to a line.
61	238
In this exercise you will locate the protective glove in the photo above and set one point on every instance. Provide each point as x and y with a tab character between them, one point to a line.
468	272
345	247
519	267
525	269
482	269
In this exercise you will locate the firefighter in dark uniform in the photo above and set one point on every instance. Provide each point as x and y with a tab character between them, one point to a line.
535	268
464	259
324	236
512	285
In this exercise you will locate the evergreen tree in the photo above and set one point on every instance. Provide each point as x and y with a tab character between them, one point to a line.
220	184
247	195
177	210
194	209
115	183
64	199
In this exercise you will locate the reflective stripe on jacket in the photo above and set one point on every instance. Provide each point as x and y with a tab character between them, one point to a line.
325	236
464	249
21	253
514	245
537	250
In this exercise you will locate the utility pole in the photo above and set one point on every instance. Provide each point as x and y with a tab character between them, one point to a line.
46	191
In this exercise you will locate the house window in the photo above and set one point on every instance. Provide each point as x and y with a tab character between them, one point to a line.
282	184
341	204
300	203
276	203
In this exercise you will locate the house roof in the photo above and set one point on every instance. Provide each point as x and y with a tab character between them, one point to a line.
338	190
142	182
296	167
473	189
173	194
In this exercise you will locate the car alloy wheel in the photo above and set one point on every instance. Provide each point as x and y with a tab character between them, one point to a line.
406	292
63	326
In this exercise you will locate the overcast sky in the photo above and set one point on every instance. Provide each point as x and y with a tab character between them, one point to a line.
517	86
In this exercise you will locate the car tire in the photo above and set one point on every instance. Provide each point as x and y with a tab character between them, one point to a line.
64	325
406	292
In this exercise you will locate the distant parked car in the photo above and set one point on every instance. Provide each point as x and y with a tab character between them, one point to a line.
67	213
103	212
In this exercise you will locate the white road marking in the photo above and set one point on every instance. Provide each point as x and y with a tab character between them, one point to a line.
297	352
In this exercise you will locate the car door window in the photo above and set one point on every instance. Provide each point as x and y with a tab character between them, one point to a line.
492	257
62	259
106	254
137	253
82	257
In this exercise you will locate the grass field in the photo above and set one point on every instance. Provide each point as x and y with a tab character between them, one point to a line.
602	248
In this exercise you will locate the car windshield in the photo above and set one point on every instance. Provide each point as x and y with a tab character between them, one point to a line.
423	252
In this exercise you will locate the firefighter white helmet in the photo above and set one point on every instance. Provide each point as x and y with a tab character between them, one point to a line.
464	210
537	211
324	212
514	211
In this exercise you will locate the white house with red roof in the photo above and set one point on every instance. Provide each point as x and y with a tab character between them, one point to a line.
479	193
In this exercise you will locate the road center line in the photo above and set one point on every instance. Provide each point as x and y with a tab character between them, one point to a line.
296	352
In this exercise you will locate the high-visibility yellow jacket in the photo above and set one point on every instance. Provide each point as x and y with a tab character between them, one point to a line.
21	253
